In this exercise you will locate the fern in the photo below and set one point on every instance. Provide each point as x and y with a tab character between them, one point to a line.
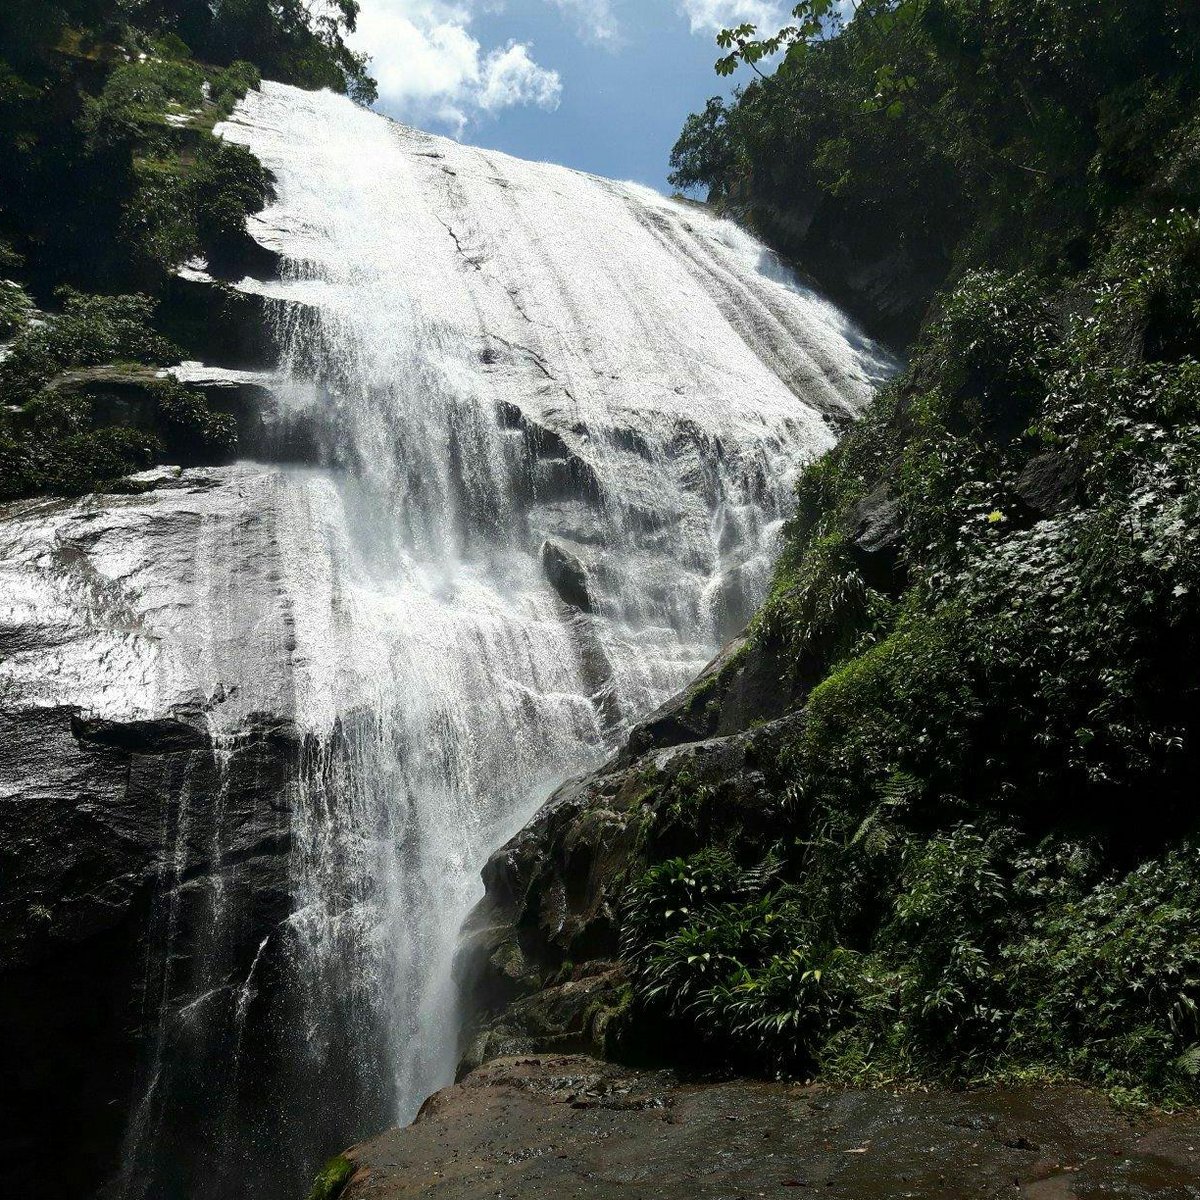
1188	1063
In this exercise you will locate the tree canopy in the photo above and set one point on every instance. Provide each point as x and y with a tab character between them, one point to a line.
981	132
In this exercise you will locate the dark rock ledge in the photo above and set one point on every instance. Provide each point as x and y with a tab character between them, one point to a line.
541	1128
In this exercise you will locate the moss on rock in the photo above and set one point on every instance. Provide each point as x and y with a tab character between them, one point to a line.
331	1180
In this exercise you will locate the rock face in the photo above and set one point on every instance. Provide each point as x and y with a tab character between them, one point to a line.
143	831
112	861
531	446
1049	483
541	952
859	263
556	1126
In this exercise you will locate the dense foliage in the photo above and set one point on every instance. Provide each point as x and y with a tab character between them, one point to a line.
982	852
931	137
60	439
110	177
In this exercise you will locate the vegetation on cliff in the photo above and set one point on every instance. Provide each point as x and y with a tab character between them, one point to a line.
110	178
929	138
981	852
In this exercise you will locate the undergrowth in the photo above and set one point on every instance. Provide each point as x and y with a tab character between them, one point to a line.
61	441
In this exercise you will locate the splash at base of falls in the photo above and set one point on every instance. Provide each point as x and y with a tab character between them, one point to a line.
557	423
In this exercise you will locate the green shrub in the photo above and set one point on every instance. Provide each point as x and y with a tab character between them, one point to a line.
230	85
90	331
990	350
1110	980
10	260
982	862
824	602
671	892
785	1008
54	442
57	452
179	209
227	184
951	908
983	820
158	223
190	430
138	94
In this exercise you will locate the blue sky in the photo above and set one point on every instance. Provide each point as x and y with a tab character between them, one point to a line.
600	85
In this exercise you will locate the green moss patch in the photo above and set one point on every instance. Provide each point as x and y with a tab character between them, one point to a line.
332	1179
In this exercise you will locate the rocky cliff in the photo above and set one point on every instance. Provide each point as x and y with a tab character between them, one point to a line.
145	831
465	540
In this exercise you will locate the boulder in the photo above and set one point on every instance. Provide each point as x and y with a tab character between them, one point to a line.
1049	483
746	682
567	576
874	522
539	958
875	530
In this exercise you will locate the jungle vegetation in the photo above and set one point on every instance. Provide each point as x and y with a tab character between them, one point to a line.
981	853
110	177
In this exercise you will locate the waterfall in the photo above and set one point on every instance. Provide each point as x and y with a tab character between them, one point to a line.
559	420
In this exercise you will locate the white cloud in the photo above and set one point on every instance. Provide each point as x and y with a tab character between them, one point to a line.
595	19
430	68
510	76
711	16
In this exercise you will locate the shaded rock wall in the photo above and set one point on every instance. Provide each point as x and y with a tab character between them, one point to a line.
126	849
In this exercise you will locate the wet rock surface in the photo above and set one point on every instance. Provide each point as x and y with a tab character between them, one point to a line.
556	1126
141	869
567	576
875	532
144	804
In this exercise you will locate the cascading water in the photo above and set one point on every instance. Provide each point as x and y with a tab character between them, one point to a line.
560	419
